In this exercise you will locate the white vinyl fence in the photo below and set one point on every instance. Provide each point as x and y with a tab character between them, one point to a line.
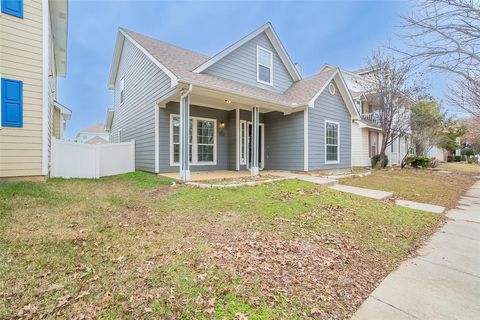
79	160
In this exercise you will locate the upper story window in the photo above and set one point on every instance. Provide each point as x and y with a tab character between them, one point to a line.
122	89
13	8
264	66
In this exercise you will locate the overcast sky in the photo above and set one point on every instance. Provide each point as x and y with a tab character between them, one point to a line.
341	33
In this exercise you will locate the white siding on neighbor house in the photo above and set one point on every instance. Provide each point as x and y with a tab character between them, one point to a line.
144	85
241	65
360	153
21	59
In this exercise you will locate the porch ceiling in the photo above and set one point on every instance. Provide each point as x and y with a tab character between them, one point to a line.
225	101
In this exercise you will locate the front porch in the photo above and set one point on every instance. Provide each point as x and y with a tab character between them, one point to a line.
223	138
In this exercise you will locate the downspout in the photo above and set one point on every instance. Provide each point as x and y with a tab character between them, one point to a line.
184	112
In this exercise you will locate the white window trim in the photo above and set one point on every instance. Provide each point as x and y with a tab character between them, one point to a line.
194	161
338	142
120	137
243	161
271	66
122	89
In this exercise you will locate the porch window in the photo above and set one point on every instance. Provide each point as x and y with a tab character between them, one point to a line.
205	140
264	65
243	142
332	142
202	140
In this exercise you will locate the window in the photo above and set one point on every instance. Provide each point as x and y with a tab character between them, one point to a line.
120	135
243	142
122	89
12	103
13	8
264	66
331	88
373	144
331	142
202	140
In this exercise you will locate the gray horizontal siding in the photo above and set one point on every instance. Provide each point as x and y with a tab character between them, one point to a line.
284	141
328	107
223	149
144	84
241	65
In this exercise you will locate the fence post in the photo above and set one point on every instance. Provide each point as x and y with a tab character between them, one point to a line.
132	155
97	160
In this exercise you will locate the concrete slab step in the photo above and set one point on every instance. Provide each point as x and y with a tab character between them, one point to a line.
370	193
420	206
305	177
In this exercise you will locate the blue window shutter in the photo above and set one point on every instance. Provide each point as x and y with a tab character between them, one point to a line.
13	7
12	103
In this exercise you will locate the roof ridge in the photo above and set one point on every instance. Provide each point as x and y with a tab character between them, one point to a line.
164	42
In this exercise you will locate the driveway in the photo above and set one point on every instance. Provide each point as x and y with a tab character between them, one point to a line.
443	281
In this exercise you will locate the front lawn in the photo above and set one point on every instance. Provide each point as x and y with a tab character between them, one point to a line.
428	186
133	247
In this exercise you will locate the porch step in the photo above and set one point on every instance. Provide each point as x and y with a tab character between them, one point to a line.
370	193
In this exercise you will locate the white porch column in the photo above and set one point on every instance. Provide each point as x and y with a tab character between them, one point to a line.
237	139
184	137
255	140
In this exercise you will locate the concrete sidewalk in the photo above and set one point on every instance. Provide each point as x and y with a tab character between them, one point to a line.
443	282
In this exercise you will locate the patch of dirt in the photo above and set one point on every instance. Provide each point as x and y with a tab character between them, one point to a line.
158	192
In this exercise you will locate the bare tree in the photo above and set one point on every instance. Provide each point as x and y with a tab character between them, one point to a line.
444	35
391	91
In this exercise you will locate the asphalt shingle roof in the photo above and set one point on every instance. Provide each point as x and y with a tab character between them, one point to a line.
181	62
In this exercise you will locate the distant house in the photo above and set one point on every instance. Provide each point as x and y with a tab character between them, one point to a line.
33	51
95	134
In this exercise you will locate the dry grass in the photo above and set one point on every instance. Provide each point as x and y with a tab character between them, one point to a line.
426	186
133	247
473	168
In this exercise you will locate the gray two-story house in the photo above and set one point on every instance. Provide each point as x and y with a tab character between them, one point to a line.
246	108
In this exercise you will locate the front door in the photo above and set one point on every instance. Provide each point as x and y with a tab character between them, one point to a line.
394	153
260	145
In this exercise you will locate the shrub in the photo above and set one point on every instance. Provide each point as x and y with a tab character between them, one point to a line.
468	152
457	158
376	159
420	162
450	159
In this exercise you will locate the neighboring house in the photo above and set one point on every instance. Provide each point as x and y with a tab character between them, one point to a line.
93	135
245	108
33	46
366	131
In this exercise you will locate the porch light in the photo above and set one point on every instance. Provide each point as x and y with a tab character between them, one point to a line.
227	101
222	124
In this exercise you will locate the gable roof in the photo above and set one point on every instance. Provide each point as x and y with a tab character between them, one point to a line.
274	39
180	64
96	128
96	140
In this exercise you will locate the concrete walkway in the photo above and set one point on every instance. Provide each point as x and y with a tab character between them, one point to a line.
420	206
443	282
364	192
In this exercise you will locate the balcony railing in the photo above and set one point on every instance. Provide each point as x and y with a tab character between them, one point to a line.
374	117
